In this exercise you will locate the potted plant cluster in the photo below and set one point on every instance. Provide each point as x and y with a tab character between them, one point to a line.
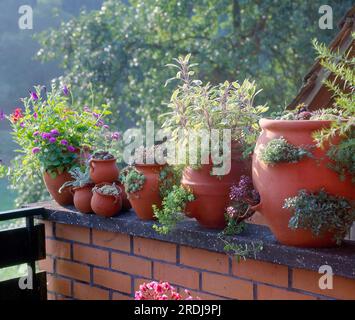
53	136
304	165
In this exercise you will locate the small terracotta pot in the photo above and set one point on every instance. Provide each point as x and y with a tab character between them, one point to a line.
126	205
212	192
284	180
103	171
82	198
53	185
143	200
106	205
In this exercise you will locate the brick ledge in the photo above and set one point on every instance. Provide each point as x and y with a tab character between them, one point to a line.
189	233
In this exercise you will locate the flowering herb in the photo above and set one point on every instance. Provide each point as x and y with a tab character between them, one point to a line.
160	291
243	197
280	150
321	212
51	134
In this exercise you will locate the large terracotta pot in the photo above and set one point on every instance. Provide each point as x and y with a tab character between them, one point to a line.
212	192
106	205
149	195
53	185
103	170
82	198
126	205
284	180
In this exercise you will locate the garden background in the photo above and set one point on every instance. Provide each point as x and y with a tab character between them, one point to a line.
116	51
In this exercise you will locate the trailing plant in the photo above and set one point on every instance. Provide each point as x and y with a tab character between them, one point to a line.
321	212
107	189
132	179
169	177
81	178
280	150
197	106
173	207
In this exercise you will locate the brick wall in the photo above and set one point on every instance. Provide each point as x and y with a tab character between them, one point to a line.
86	263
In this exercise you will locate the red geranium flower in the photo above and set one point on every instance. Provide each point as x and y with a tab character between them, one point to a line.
16	115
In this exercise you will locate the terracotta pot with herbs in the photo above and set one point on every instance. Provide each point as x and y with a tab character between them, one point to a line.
304	169
50	135
106	200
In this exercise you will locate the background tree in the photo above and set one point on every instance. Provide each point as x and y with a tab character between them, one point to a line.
122	48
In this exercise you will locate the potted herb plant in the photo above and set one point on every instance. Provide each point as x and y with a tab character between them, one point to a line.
227	106
106	200
81	187
51	134
303	166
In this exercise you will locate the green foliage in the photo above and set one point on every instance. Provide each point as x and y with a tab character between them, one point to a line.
233	226
123	47
169	177
107	189
173	207
280	150
81	178
132	179
321	212
228	105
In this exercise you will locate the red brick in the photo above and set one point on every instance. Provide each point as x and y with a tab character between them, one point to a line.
113	280
176	275
120	296
86	292
270	293
59	249
114	240
131	264
59	285
47	264
69	232
343	288
48	227
91	255
204	259
199	295
261	271
155	249
73	270
227	286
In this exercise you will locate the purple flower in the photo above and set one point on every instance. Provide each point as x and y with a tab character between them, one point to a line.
34	96
36	150
116	136
35	115
22	124
65	90
64	142
99	123
96	115
2	115
105	126
71	149
45	135
36	141
55	132
86	109
52	140
36	133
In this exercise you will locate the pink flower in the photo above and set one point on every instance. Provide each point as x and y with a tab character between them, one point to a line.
36	133
64	142
52	140
36	150
55	132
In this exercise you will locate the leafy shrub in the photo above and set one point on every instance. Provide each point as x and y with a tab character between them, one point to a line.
321	212
280	150
173	207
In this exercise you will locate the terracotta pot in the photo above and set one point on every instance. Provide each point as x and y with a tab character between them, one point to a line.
126	205
284	180
143	199
103	171
53	185
82	198
106	205
212	192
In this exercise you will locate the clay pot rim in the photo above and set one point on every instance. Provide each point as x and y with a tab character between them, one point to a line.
149	165
89	185
103	160
294	124
108	195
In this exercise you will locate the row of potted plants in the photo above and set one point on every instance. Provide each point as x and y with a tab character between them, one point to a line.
301	163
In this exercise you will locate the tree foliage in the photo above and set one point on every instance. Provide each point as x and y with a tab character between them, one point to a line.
123	47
